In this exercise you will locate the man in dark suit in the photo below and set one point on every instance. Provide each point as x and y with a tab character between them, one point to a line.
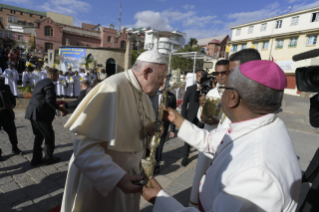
189	109
7	103
41	111
70	107
170	102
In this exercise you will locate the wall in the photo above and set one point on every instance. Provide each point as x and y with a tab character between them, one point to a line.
76	40
59	18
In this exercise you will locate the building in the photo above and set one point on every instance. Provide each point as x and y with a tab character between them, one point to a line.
215	46
164	42
279	38
52	35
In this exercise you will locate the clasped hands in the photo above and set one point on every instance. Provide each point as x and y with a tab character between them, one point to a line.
62	110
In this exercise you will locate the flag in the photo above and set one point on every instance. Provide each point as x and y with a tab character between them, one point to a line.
253	46
227	49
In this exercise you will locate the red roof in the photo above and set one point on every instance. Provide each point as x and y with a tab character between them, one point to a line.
215	41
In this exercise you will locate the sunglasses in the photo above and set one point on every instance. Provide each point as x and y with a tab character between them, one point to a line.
228	88
220	73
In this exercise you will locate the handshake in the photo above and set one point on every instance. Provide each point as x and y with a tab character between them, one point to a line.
62	111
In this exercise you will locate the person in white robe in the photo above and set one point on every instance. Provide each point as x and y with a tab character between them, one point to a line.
92	77
26	78
70	83
255	167
82	73
111	125
204	159
77	85
11	79
44	73
16	73
36	76
61	83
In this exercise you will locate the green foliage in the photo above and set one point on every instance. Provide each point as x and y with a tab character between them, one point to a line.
27	89
135	54
192	42
184	63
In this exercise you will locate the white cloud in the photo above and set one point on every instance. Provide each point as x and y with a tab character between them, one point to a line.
304	6
176	15
69	7
19	1
152	19
189	7
198	21
293	1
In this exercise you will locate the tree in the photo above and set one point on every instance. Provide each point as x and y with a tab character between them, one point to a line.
135	54
184	63
192	42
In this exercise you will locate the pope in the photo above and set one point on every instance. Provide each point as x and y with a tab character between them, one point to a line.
111	126
255	167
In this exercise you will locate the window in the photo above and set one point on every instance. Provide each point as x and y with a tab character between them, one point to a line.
31	24
243	46
19	37
235	48
293	42
238	32
109	38
255	45
315	17
12	19
31	15
278	24
41	17
280	44
265	45
263	27
294	21
48	46
13	11
312	40
250	29
123	44
0	9
48	31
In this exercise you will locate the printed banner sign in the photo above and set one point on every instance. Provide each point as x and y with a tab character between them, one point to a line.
73	57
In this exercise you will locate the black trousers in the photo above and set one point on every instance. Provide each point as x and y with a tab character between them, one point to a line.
159	149
187	147
10	128
43	131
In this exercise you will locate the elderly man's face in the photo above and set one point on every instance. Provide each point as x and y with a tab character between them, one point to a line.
155	79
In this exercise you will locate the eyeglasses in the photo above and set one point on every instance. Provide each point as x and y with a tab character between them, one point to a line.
229	88
220	73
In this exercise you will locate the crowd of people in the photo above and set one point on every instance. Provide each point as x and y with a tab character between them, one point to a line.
238	168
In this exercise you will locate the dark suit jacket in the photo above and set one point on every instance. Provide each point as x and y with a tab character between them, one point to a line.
8	99
190	103
170	102
43	102
77	101
312	170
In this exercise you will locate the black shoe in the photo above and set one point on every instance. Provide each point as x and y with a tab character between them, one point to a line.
156	170
184	162
36	162
17	151
52	161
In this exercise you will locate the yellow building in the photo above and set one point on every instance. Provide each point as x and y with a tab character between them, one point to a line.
279	38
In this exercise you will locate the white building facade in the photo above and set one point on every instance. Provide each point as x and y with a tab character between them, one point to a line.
164	42
279	38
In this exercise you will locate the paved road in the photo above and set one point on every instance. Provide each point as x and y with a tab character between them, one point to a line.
23	188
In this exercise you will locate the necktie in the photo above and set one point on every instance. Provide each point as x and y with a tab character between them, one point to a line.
1	97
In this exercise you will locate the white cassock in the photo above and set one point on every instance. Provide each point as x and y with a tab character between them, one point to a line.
107	145
11	79
61	84
255	168
204	159
43	74
92	78
36	77
25	79
70	87
77	86
82	74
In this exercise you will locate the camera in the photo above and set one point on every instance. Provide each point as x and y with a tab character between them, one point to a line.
206	83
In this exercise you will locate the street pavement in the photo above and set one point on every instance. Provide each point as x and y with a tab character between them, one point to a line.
24	188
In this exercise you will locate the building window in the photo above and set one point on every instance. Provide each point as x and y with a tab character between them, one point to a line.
293	42
109	39
278	24
235	48
243	46
48	31
123	44
280	44
13	11
255	45
21	13
41	17
1	20
48	46
294	21
265	45
263	27
315	17
31	15
0	9
19	37
31	24
12	19
312	40
250	29
238	32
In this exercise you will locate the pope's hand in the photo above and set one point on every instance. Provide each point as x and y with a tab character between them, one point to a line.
174	117
126	185
153	128
150	194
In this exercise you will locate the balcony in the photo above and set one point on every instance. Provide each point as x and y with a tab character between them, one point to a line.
168	40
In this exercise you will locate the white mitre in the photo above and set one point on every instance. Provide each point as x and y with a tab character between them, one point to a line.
152	57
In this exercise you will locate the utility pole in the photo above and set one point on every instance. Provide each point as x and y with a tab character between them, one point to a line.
120	17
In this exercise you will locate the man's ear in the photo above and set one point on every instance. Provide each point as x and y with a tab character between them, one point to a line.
234	99
146	73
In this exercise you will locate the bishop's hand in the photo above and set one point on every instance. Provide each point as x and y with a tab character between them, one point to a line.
126	185
174	117
150	194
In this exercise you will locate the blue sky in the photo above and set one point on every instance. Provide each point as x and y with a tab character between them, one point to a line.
199	19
